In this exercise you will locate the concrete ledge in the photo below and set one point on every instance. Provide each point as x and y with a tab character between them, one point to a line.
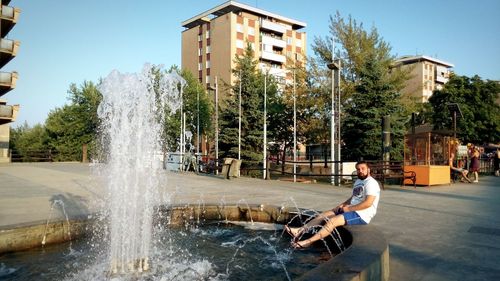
26	236
367	258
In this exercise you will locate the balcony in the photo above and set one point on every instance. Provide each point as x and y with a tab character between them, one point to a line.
269	40
7	82
270	56
442	74
8	50
8	113
278	28
8	17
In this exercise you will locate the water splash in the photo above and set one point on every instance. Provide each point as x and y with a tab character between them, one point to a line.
249	211
61	204
132	110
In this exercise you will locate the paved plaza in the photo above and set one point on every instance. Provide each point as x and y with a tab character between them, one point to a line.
449	232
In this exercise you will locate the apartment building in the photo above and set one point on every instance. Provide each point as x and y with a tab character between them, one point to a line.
8	50
427	74
211	40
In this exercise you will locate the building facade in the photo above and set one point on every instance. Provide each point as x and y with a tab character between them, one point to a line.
427	74
8	50
212	39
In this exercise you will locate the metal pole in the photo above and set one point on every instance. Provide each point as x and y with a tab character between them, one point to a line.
239	122
455	124
265	127
337	139
294	131
197	123
332	120
216	127
181	148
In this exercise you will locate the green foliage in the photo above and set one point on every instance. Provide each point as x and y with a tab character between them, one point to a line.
477	101
281	110
26	141
252	105
193	94
370	88
73	125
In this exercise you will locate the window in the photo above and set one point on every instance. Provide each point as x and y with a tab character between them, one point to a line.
208	64
199	66
289	40
207	78
199	52
239	28
208	50
298	42
239	44
207	34
199	37
251	31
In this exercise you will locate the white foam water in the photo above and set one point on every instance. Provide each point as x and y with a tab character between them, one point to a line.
132	110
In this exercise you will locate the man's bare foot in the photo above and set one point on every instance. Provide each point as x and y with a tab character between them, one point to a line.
301	244
293	231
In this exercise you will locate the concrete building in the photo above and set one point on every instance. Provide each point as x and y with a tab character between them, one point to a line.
8	50
427	74
211	40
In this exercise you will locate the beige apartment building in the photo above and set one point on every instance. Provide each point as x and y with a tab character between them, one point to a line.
427	74
211	40
8	50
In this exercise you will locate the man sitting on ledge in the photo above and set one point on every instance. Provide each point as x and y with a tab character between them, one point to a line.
359	209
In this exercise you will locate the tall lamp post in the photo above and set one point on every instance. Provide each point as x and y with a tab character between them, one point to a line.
335	67
265	128
216	125
454	108
197	123
239	121
294	130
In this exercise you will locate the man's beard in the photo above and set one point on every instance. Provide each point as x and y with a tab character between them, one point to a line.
362	177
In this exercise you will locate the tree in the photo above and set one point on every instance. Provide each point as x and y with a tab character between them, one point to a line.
281	110
190	93
477	101
75	124
370	87
26	141
252	101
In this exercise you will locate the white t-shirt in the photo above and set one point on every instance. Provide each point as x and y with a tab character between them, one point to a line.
361	189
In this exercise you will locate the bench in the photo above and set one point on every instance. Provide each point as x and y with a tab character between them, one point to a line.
383	172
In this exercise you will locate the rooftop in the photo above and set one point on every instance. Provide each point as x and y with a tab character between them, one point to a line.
233	6
412	59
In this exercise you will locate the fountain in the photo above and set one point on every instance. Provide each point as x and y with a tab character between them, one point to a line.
135	237
132	111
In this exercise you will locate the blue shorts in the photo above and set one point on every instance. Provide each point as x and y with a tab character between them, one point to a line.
352	218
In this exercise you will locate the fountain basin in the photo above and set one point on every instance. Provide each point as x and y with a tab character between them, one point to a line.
366	257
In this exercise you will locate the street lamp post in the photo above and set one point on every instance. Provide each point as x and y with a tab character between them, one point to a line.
294	131
334	66
239	121
197	123
216	125
181	138
265	128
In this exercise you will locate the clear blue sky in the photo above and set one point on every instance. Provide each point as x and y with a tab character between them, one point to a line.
64	42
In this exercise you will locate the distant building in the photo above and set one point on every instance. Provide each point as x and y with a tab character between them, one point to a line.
211	40
8	50
427	74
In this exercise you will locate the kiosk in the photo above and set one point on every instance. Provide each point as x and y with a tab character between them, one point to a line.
427	153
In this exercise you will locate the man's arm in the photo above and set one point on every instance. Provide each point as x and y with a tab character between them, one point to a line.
343	204
361	206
